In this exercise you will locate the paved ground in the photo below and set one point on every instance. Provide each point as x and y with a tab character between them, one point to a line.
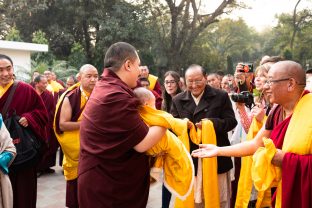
51	191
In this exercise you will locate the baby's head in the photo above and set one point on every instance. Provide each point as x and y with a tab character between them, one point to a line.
145	96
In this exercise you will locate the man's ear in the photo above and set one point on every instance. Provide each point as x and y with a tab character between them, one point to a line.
291	84
127	64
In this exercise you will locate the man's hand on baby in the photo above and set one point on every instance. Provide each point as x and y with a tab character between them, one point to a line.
189	124
198	125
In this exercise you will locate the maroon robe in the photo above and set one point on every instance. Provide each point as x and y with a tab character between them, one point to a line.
296	169
111	173
49	157
74	97
27	103
158	100
157	88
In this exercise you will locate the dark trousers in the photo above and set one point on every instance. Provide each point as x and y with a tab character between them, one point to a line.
24	185
234	184
72	194
166	197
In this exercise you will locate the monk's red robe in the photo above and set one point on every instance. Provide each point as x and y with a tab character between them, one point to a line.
157	88
296	169
49	157
111	173
27	103
158	100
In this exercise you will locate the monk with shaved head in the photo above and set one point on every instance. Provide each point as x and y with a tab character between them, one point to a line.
67	127
286	157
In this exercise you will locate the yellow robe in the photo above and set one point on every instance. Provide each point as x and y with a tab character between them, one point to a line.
152	80
245	181
70	142
178	166
297	140
210	168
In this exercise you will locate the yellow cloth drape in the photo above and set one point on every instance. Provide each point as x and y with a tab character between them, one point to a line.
264	174
245	181
210	168
152	80
50	89
177	163
5	88
70	143
56	86
297	140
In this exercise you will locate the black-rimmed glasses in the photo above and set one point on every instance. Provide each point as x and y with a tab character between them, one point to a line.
271	81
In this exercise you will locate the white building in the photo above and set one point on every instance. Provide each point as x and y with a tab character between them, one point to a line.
20	53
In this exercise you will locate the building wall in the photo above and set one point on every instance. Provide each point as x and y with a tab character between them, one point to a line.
21	61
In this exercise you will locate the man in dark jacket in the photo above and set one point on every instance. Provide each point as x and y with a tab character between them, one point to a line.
201	101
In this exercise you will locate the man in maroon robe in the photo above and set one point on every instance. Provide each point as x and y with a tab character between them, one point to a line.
113	169
29	106
49	158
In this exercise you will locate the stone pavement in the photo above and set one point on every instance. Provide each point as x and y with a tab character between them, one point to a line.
52	188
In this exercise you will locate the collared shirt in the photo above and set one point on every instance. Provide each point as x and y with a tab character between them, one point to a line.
197	99
4	89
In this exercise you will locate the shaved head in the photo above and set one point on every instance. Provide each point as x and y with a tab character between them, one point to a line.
86	67
291	69
145	96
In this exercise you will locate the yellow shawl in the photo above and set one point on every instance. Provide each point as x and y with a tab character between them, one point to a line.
56	86
152	80
5	88
245	181
70	144
297	140
178	166
210	168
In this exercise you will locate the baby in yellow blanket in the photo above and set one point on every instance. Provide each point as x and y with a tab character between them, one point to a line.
177	163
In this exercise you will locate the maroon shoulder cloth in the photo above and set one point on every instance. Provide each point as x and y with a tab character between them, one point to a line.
74	97
110	128
27	103
296	169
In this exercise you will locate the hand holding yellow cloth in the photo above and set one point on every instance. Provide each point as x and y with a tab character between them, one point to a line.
178	166
264	174
206	135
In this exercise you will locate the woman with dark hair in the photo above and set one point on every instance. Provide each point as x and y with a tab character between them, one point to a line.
172	88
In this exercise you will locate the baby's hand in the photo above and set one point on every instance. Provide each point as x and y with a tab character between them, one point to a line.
198	125
189	124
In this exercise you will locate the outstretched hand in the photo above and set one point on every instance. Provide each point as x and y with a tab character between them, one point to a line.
206	150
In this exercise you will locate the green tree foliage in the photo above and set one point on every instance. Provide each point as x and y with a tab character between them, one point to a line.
41	58
226	38
77	56
13	35
281	40
39	37
179	25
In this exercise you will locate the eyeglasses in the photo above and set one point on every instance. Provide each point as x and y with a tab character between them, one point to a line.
170	82
271	81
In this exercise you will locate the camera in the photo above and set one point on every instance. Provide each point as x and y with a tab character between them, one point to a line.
247	67
243	97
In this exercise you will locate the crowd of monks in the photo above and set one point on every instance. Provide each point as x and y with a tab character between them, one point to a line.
112	131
